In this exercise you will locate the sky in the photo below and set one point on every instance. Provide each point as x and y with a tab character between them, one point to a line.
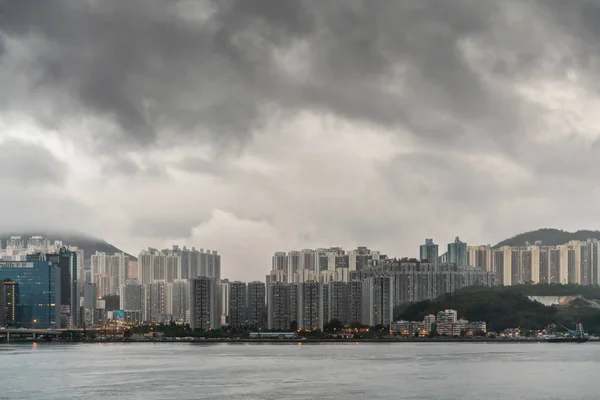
258	126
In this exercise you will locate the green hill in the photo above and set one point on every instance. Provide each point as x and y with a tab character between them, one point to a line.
509	307
549	236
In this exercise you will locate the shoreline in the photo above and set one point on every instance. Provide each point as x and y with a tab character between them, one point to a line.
292	341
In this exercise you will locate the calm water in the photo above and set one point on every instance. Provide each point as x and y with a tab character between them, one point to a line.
286	371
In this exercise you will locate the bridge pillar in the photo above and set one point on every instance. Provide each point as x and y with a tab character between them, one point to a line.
7	337
33	335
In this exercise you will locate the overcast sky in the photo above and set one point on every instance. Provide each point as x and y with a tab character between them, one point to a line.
262	125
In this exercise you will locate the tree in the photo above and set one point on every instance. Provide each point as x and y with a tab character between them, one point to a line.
333	325
294	326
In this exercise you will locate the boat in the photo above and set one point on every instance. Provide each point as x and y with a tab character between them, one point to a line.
578	336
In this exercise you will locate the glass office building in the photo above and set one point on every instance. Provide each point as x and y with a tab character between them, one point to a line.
36	292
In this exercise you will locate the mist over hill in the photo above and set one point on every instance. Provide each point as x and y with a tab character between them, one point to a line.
89	244
549	236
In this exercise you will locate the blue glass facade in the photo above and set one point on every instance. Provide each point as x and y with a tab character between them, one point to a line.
37	304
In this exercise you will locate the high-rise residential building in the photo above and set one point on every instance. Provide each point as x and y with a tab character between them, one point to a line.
15	242
355	308
322	265
146	262
338	304
225	288
322	258
36	292
415	281
307	259
180	303
276	276
457	252
132	296
238	304
378	301
309	299
157	301
132	270
99	265
117	268
279	306
279	261
80	268
502	265
429	251
2	305
255	312
205	308
176	263
89	309
480	257
293	266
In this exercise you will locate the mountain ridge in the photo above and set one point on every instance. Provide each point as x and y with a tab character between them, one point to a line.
88	243
549	236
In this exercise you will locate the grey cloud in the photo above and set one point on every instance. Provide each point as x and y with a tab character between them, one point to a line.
158	75
163	228
125	165
201	165
30	164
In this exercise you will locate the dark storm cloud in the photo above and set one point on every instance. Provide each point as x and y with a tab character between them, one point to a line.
30	164
167	71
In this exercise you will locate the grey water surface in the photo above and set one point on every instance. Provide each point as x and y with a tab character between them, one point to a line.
290	371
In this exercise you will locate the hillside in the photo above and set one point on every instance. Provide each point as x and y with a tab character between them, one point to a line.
89	244
549	237
509	307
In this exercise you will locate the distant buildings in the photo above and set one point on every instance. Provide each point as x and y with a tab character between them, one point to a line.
415	281
573	262
445	324
177	263
457	253
429	252
320	265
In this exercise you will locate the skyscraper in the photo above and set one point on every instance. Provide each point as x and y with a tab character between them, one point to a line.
457	253
238	297
205	310
279	261
279	317
90	298
2	305
429	251
156	302
132	296
309	303
338	306
256	305
378	301
180	300
66	261
34	291
225	288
